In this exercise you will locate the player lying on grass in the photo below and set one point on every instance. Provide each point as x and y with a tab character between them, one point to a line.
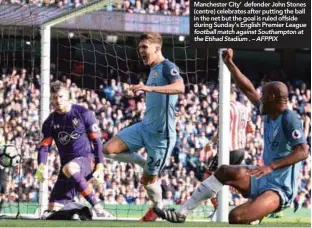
75	132
271	187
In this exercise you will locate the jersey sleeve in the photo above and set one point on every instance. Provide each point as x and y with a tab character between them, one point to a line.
171	72
45	143
90	124
93	132
293	128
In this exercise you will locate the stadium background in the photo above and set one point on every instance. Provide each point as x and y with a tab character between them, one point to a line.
94	64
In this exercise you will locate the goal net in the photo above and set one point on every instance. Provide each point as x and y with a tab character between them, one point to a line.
95	55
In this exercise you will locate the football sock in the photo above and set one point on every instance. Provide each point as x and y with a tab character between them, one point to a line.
85	190
207	189
154	192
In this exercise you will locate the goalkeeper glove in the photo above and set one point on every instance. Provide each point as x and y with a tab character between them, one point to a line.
40	173
98	174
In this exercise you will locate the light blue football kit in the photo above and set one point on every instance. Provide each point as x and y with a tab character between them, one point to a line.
157	130
280	137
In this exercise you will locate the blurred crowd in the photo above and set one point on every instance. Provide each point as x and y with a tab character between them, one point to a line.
165	7
53	3
196	124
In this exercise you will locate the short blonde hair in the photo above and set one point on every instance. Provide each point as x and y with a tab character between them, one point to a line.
58	86
152	37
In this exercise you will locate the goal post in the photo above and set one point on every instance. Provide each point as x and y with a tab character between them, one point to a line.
224	139
44	106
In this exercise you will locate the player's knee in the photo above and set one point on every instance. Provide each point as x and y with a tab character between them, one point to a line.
222	172
235	217
111	147
71	168
229	173
107	150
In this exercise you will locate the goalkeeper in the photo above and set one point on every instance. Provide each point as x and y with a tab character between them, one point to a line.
75	132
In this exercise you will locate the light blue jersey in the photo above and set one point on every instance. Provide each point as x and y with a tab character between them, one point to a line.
156	133
159	116
280	137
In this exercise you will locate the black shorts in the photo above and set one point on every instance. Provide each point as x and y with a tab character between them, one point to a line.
236	158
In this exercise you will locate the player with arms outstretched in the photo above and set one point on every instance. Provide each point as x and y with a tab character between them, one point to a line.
156	133
271	187
76	134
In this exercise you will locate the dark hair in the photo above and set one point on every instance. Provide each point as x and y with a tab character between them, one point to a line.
152	37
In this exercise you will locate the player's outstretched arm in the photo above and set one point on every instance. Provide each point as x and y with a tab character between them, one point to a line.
176	87
95	139
240	79
43	153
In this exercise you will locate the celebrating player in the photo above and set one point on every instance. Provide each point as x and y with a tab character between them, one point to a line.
75	132
271	187
157	130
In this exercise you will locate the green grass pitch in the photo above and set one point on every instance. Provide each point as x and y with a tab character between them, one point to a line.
281	222
302	218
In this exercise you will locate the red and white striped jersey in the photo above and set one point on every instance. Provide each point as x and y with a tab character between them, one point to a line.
239	118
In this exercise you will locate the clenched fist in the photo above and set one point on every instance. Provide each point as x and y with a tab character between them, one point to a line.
227	55
128	92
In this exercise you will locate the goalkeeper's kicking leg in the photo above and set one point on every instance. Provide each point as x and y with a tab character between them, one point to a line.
262	204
